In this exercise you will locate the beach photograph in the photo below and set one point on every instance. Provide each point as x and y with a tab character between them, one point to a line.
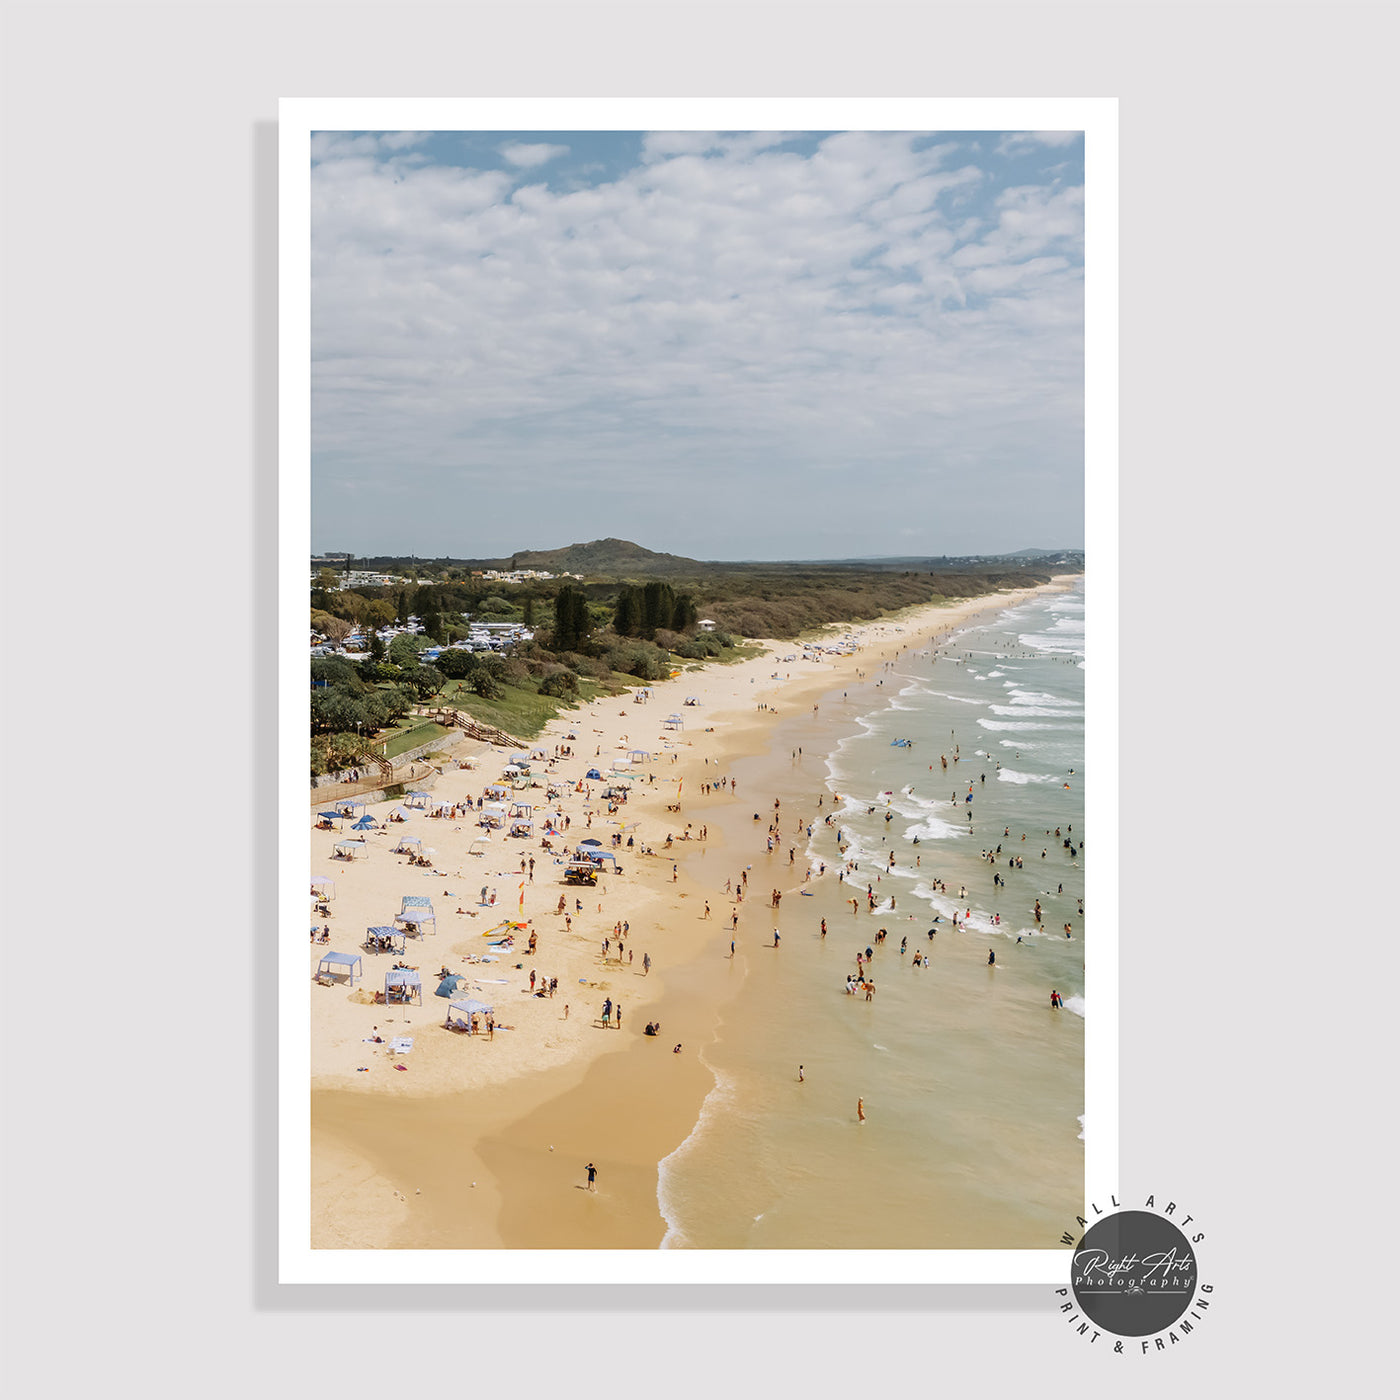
756	453
695	849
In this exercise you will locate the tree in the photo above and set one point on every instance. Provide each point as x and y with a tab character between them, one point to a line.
684	615
403	650
337	672
336	629
658	606
335	710
456	663
627	615
486	677
571	620
425	680
380	612
563	684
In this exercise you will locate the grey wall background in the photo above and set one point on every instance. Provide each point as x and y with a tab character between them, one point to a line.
140	327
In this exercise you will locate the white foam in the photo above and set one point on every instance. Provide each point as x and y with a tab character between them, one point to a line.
718	1099
1010	775
1036	711
932	829
1023	728
1075	1004
1034	697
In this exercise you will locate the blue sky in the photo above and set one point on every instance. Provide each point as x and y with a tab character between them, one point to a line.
725	345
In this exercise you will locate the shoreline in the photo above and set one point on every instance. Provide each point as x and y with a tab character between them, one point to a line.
421	1164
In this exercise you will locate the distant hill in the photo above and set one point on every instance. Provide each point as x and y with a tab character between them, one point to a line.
609	557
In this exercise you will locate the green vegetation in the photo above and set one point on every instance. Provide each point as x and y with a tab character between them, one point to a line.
412	737
518	709
632	618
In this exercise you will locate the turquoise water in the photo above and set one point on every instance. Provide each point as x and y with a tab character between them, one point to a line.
972	1084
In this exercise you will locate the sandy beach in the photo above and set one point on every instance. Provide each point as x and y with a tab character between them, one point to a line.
470	1142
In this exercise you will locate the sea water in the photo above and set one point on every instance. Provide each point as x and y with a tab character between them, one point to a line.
972	1083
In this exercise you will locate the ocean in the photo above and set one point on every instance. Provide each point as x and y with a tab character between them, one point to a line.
972	1084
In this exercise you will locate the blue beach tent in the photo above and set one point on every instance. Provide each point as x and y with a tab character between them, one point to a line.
402	985
382	939
467	1009
416	911
330	962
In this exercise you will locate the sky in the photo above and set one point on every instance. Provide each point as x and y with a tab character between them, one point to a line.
735	345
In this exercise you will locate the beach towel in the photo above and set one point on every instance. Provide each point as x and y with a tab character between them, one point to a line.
401	1044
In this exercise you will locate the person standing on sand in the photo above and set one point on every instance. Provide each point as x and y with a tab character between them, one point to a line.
592	1177
801	1077
860	1110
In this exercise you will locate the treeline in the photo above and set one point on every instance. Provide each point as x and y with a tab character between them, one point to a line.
779	602
607	632
783	605
642	610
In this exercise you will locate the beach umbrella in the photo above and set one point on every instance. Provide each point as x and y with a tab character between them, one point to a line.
448	986
591	841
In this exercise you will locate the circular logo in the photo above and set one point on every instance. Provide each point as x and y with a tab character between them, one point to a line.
1133	1273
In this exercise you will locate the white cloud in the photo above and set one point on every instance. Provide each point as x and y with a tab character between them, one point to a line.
1018	142
528	155
340	145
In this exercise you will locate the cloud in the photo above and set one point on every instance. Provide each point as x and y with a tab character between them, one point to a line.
731	308
342	145
530	155
1019	142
